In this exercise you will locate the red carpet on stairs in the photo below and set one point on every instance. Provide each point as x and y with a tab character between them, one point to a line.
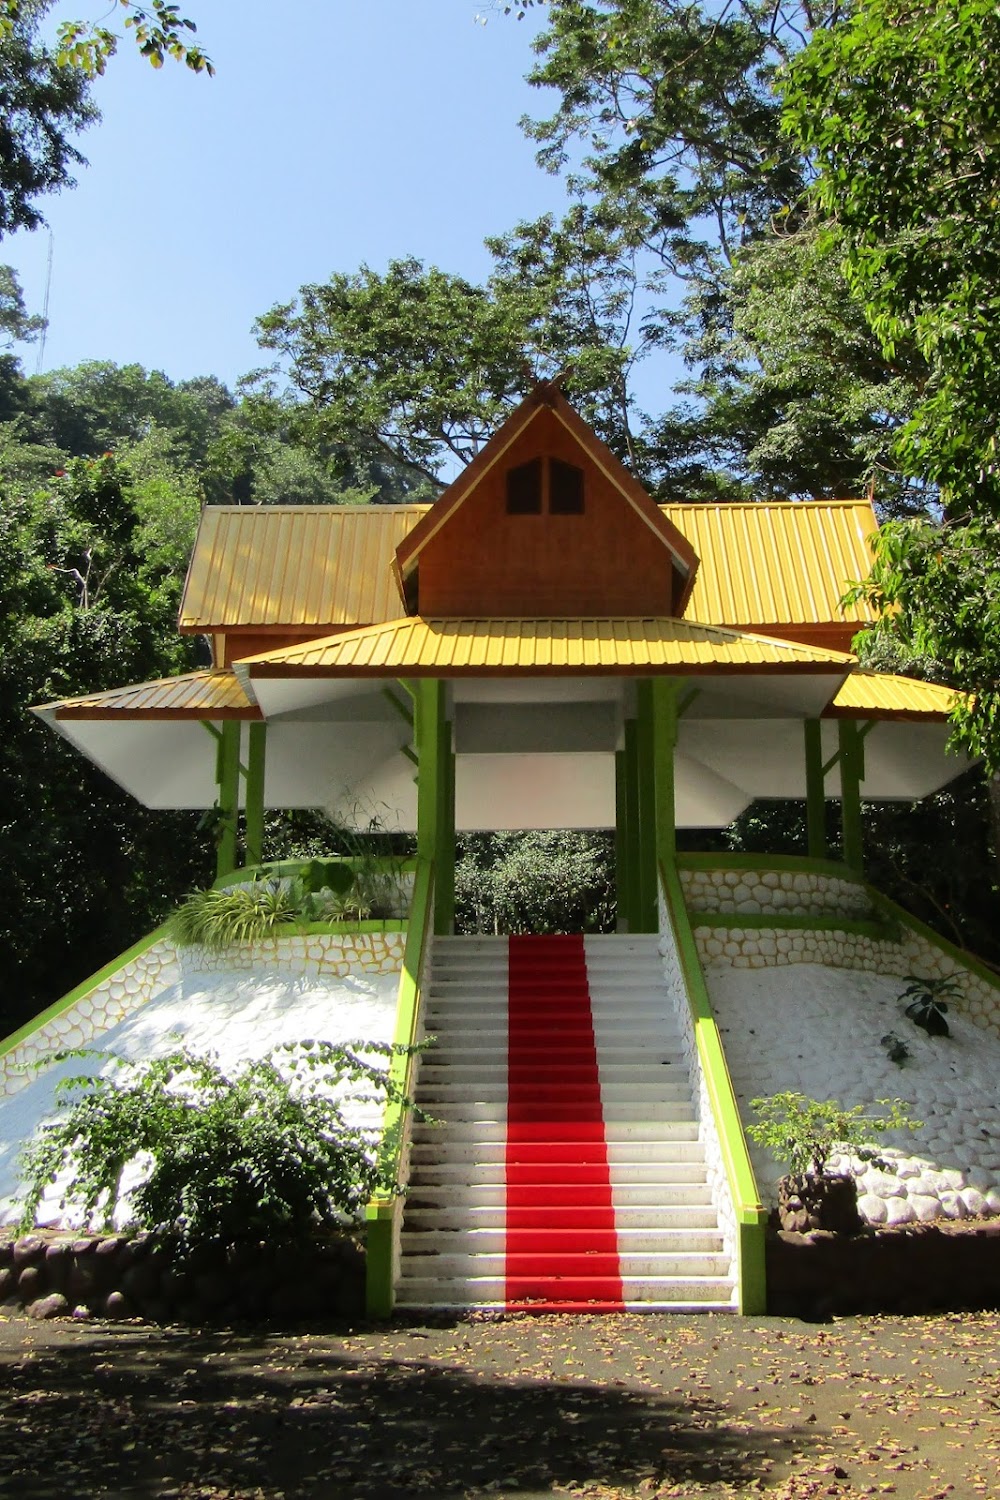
562	1248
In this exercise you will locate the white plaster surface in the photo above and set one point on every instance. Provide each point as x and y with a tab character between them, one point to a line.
236	1016
708	1135
815	1029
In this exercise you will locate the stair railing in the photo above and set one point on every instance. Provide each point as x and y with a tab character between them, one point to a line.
384	1214
751	1216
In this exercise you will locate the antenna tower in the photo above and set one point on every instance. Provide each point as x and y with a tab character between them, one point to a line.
45	309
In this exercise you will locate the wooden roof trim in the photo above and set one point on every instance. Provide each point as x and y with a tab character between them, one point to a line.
546	394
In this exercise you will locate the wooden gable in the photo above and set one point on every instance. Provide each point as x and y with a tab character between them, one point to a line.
545	523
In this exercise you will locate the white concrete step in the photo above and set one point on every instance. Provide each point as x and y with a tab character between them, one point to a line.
455	1265
453	1211
672	1293
623	1112
634	1240
637	1182
628	1152
616	1132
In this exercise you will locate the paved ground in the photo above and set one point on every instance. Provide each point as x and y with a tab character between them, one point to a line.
530	1407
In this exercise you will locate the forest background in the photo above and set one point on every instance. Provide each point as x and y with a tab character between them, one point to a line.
794	205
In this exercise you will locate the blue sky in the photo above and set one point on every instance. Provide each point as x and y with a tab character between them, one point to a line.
334	132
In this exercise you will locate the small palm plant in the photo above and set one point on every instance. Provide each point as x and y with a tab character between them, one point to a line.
927	1007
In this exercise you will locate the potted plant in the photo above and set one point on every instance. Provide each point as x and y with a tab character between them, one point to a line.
803	1134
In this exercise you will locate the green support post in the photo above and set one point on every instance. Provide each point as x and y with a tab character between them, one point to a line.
630	881
815	792
256	750
646	768
852	773
227	776
444	885
664	712
621	837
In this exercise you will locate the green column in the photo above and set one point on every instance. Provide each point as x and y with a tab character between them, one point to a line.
815	794
621	836
630	873
444	873
227	776
256	747
852	773
664	710
426	742
648	920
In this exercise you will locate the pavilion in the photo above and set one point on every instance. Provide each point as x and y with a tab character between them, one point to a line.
544	647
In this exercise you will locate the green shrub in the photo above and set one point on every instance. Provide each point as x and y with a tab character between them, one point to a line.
803	1133
259	1152
219	919
927	1007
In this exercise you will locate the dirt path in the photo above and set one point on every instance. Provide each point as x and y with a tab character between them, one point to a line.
531	1407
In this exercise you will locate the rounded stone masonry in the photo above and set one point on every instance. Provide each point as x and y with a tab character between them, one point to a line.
58	1275
795	892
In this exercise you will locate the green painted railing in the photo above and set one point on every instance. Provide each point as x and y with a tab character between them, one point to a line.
384	1213
803	864
82	990
751	1216
898	914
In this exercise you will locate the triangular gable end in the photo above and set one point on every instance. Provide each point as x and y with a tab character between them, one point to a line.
545	521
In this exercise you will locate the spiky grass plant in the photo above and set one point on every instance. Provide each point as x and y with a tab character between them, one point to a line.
218	919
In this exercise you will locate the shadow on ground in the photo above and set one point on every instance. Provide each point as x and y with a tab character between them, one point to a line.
139	1411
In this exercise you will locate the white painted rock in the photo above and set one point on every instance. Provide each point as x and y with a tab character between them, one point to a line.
899	1211
993	1201
925	1208
952	1205
973	1201
873	1208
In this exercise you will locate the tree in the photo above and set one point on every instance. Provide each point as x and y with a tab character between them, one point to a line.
675	104
793	396
42	106
899	108
158	29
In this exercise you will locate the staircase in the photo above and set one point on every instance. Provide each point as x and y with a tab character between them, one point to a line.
566	1173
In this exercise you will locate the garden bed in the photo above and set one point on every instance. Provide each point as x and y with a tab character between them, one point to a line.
55	1274
912	1268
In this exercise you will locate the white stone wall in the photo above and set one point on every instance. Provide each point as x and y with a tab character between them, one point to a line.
333	955
756	948
816	1031
800	893
324	954
708	1135
103	1007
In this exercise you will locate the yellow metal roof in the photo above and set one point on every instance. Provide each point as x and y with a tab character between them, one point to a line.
326	566
777	563
294	565
448	647
198	695
880	695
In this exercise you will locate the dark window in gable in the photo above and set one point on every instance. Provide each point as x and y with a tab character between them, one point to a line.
565	489
524	489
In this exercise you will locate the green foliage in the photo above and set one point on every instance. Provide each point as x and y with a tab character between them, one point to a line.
158	29
794	397
42	106
223	918
927	1008
896	1049
535	882
261	1151
937	591
897	104
804	1133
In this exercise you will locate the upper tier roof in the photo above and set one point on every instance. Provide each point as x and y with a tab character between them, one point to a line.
764	566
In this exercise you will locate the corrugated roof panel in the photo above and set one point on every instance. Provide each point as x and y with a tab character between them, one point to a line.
882	695
294	565
299	566
195	695
413	644
781	563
